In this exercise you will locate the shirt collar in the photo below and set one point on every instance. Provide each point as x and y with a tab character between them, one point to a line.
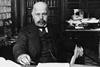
46	29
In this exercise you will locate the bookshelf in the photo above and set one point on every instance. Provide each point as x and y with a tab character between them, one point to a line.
5	17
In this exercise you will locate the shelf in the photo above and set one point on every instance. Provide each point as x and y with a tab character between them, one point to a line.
5	9
53	7
94	0
5	12
5	15
73	0
6	19
50	7
5	2
5	5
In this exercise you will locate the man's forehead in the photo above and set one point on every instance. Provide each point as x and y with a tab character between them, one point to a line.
40	11
40	6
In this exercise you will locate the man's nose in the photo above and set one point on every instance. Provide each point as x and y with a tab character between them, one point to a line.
41	16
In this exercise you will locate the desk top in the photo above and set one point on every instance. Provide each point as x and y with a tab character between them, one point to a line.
83	29
73	65
78	65
9	63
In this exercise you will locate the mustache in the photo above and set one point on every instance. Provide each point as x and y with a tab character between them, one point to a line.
42	22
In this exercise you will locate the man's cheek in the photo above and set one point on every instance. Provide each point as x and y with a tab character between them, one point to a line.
37	19
45	18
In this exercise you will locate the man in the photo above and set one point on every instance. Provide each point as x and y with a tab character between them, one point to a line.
34	42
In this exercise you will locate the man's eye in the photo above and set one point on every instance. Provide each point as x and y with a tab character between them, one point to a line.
38	14
44	13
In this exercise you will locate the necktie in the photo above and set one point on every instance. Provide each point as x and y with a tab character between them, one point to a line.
42	31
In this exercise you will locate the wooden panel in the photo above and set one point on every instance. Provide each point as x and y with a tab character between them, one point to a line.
93	5
73	5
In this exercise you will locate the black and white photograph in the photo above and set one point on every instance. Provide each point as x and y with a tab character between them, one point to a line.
49	33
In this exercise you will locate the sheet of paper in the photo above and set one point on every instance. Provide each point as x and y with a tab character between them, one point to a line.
53	65
8	63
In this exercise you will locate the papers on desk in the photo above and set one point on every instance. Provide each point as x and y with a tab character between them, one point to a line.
97	29
85	20
62	65
8	63
90	20
85	23
53	65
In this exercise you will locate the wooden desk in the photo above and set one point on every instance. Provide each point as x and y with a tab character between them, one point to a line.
87	30
78	65
74	65
9	63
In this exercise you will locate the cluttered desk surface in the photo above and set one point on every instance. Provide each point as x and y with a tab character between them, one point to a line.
59	65
10	63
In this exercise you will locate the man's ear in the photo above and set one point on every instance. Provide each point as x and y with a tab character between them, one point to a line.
32	13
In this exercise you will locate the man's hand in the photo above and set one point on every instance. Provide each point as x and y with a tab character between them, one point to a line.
78	51
24	59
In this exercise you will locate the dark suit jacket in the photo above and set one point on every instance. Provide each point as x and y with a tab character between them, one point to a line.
28	42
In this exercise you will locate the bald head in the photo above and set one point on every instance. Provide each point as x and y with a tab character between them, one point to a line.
39	13
40	5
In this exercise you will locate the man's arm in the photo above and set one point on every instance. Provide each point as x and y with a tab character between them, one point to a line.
77	52
20	49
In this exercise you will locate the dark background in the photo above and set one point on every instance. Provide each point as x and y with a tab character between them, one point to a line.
60	11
